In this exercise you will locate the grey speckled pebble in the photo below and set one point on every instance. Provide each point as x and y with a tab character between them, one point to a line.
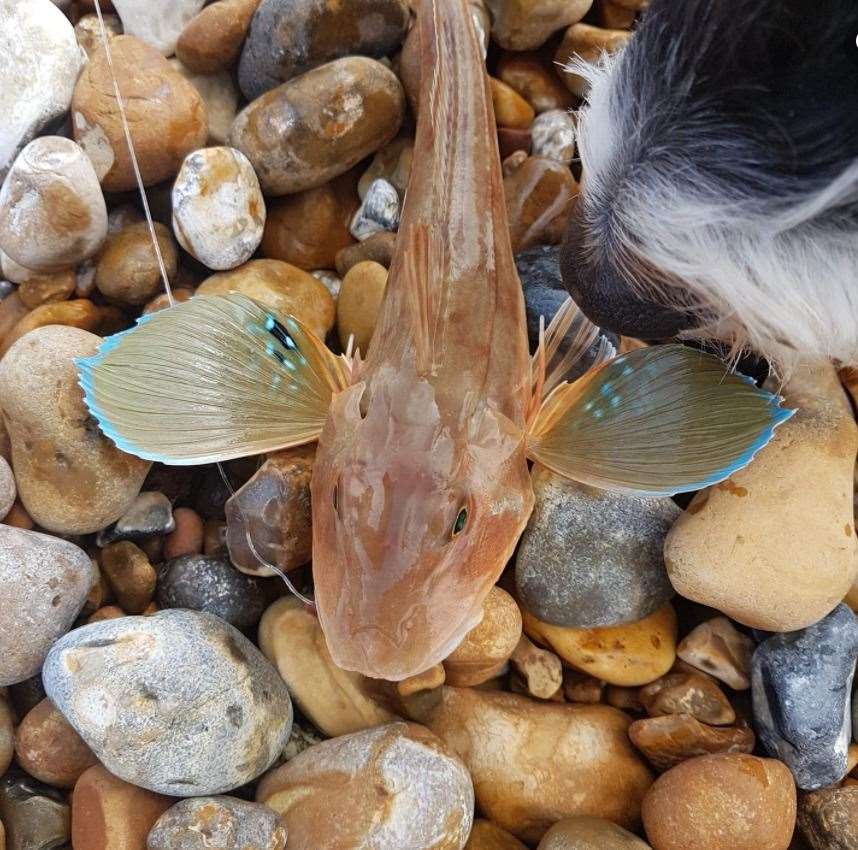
179	702
150	514
589	558
218	823
801	686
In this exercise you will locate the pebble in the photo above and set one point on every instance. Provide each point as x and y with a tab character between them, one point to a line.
127	269
44	582
49	749
391	787
392	163
46	418
220	95
541	671
281	287
332	281
589	43
8	491
579	687
614	15
52	212
201	583
7	731
40	289
553	135
673	738
335	701
218	208
590	558
35	816
828	818
211	41
688	693
218	823
126	682
378	248
150	515
273	509
510	108
109	814
320	124
801	687
130	575
588	833
288	38
157	22
359	303
487	836
719	649
187	537
487	647
41	61
530	23
88	31
581	754
630	654
789	513
538	193
379	211
302	737
534	79
165	112
721	802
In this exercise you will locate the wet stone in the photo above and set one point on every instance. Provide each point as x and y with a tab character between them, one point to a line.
150	514
688	693
379	211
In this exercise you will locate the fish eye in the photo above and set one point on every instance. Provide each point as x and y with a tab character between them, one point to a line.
460	523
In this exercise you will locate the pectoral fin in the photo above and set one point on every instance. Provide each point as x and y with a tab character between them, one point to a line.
213	378
656	421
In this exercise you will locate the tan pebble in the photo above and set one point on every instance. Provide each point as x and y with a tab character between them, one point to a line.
88	31
630	654
187	537
319	124
579	687
281	287
613	16
48	288
511	109
378	248
539	195
220	95
486	648
162	301
673	738
684	693
132	578
541	670
336	701
109	814
394	786
70	477
127	270
626	699
717	648
391	163
107	612
587	833
722	802
18	517
534	79
580	753
309	228
527	24
211	41
358	305
588	43
428	680
789	513
49	749
828	818
8	491
7	731
487	836
166	114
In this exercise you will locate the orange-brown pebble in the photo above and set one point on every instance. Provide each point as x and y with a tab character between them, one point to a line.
511	109
47	288
588	43
49	749
308	228
378	248
187	537
535	80
109	814
132	578
18	517
613	16
688	693
428	680
487	836
12	310
166	114
211	41
722	802
359	302
106	612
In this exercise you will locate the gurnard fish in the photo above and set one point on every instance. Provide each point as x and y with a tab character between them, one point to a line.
421	484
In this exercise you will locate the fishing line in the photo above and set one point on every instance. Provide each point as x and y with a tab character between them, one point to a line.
105	41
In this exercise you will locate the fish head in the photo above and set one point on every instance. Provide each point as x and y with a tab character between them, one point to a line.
415	516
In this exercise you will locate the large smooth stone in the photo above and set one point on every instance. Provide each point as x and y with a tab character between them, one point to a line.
179	702
41	62
585	833
774	545
71	478
801	685
526	24
44	582
533	763
392	787
589	558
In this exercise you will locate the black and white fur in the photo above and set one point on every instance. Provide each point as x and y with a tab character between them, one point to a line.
720	166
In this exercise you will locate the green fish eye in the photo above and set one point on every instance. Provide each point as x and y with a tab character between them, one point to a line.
461	520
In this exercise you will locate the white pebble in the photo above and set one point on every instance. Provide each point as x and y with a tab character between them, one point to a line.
553	135
8	491
332	280
158	22
379	211
218	208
